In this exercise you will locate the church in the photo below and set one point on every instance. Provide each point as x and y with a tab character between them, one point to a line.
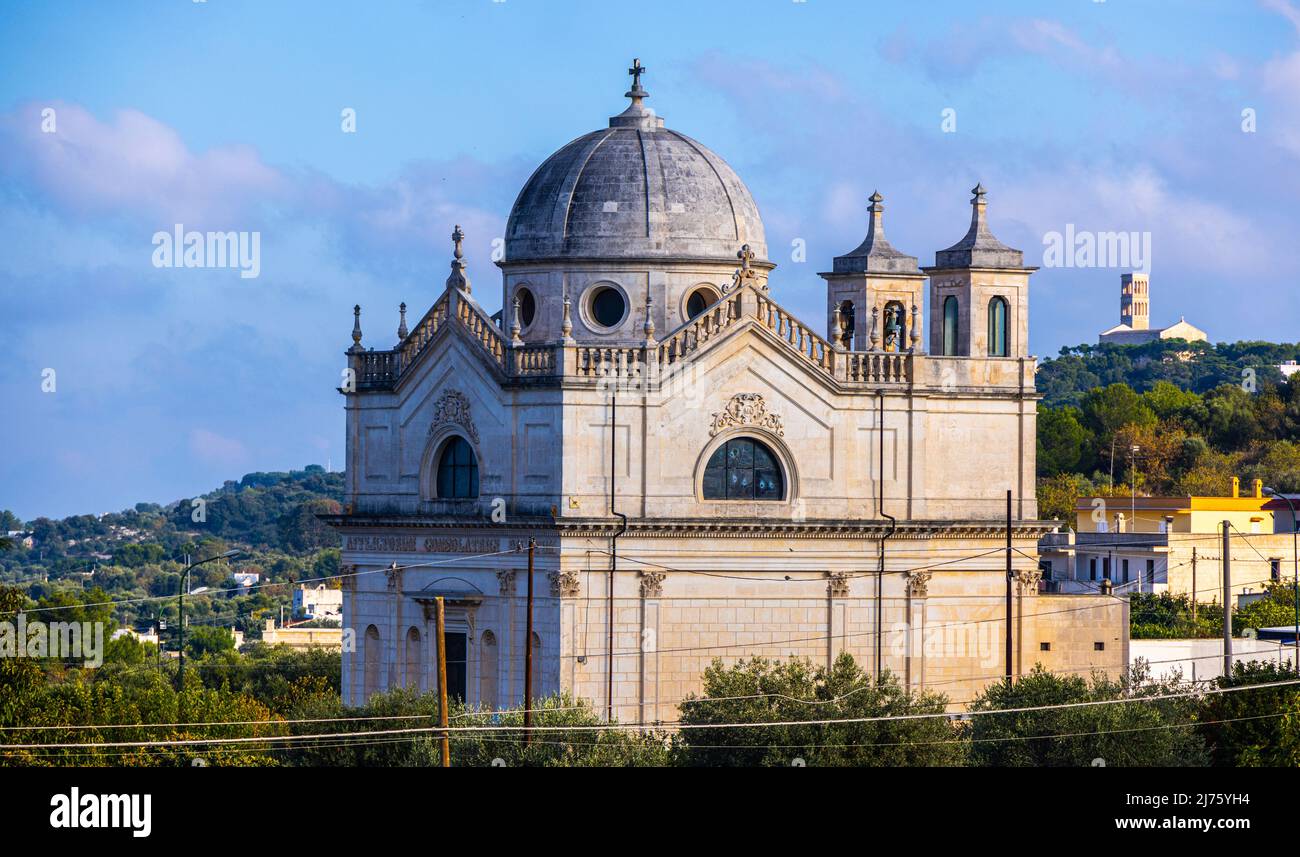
703	475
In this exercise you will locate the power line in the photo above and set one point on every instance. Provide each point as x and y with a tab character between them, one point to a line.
677	725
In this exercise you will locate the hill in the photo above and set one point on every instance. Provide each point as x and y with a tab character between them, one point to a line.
139	552
1197	367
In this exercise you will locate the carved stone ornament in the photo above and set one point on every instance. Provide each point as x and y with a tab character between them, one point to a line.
746	409
506	580
918	584
348	578
564	584
838	587
453	408
1027	581
652	584
394	575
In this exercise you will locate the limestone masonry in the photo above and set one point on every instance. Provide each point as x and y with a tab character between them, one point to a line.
643	394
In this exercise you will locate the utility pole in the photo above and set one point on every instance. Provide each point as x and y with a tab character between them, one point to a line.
1227	603
1133	491
1008	588
442	680
185	584
1194	590
528	648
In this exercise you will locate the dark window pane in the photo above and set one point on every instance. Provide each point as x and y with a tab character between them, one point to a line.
697	303
743	469
527	307
607	307
457	470
713	484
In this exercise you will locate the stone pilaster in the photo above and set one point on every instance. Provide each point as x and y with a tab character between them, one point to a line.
918	589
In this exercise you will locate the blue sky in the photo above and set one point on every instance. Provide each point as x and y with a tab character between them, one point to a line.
1116	115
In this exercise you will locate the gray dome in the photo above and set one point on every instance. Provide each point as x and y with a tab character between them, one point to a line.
634	190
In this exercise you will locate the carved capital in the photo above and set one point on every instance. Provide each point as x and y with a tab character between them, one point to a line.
918	584
506	582
564	584
1027	581
652	584
452	408
746	409
394	575
838	585
348	578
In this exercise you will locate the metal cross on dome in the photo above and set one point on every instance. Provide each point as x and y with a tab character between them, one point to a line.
636	71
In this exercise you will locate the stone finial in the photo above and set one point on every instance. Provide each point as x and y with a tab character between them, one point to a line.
979	248
356	328
916	326
636	71
875	255
649	326
746	256
837	327
566	323
746	273
874	337
637	115
515	324
458	280
402	332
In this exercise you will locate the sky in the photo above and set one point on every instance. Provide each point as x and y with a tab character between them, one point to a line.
128	382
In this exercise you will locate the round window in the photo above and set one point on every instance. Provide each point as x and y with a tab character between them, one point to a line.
527	306
699	301
608	306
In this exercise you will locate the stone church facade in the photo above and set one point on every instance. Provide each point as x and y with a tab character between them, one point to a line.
704	475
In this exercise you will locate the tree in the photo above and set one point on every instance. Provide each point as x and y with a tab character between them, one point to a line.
1058	496
1062	440
202	639
763	691
1243	727
1110	409
1159	732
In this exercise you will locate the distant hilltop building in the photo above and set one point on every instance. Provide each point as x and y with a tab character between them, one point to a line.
1288	368
1134	326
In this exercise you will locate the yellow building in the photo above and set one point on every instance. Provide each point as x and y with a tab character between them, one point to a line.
1249	514
1170	544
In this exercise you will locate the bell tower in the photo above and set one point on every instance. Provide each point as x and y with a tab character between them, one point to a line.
979	294
874	293
1135	301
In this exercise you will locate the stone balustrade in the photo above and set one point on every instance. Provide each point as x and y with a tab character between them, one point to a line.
660	358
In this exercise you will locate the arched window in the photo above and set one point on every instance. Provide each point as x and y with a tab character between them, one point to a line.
998	327
895	324
743	469
372	654
848	322
950	326
527	306
457	470
487	671
414	675
700	300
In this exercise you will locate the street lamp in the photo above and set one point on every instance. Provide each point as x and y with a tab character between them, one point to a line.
1295	576
184	588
